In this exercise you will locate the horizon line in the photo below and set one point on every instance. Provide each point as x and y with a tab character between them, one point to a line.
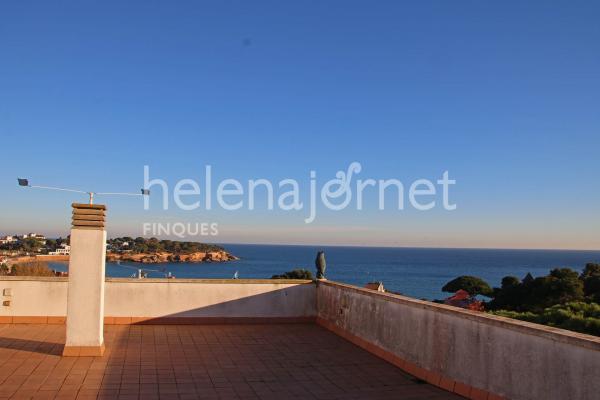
360	245
403	247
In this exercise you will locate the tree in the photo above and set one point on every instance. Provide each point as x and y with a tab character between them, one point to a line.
591	281
295	274
528	278
470	284
510	281
561	286
590	269
564	273
30	245
51	244
154	245
510	296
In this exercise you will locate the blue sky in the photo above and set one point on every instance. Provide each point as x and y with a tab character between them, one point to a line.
503	95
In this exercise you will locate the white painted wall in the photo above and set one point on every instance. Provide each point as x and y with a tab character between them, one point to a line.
516	359
34	296
151	298
160	298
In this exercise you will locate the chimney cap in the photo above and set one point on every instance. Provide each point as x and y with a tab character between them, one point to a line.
89	206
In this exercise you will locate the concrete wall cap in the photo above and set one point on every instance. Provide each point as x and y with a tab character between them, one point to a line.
164	280
34	278
214	281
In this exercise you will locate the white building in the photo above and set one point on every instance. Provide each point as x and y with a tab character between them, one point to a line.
33	236
63	250
7	239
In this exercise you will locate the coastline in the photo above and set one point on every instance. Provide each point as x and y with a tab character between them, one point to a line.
164	257
415	272
38	257
143	258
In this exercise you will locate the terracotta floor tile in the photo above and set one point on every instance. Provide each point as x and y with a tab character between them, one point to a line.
45	394
297	361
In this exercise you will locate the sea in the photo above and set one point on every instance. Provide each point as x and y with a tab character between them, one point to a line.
415	272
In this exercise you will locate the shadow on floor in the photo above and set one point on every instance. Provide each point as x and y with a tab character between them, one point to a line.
33	345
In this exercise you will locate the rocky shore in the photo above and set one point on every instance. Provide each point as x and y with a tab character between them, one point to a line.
164	257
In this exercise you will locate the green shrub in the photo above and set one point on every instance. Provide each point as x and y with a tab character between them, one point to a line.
576	316
471	284
561	286
4	269
34	268
591	281
300	273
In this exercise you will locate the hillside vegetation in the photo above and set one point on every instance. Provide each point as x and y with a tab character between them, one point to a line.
564	298
153	245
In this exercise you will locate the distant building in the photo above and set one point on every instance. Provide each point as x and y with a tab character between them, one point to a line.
41	239
7	239
463	299
378	286
33	236
63	250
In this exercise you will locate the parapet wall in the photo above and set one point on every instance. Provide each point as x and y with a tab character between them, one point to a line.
471	353
37	299
210	300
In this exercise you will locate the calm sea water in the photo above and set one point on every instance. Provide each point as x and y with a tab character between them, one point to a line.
415	272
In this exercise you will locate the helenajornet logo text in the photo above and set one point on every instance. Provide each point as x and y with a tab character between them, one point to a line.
345	190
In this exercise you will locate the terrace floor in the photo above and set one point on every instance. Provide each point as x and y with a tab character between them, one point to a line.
298	361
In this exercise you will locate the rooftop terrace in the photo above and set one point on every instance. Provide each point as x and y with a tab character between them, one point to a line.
275	361
281	339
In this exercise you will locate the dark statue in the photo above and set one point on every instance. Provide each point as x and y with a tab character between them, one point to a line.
321	265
